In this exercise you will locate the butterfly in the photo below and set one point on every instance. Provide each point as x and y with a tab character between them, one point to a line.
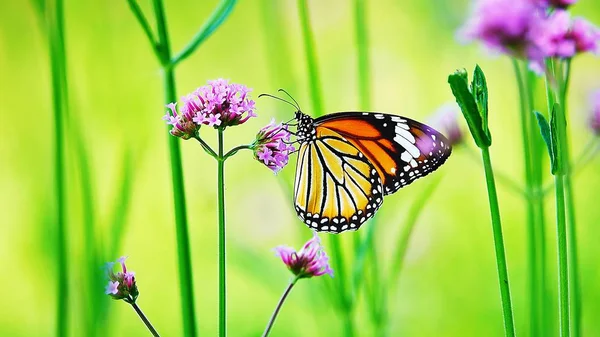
348	161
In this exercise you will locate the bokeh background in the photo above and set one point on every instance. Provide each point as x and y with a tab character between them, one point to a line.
448	285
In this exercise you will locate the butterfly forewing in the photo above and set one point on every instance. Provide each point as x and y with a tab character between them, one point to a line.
336	188
401	149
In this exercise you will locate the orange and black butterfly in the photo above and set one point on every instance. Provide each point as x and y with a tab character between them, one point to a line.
348	161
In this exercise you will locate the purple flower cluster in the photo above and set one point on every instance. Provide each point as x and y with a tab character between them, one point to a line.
272	146
595	112
310	261
121	286
526	29
218	104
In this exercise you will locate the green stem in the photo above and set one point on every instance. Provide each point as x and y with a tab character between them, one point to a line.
55	19
179	203
278	307
206	147
509	326
144	319
575	291
139	15
532	259
311	60
362	44
235	150
561	233
344	299
222	262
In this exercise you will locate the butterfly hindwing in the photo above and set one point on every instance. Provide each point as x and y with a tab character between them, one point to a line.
401	149
337	188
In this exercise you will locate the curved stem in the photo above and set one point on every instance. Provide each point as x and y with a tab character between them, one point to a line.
278	307
235	150
214	21
206	147
144	319
222	275
186	286
139	15
509	325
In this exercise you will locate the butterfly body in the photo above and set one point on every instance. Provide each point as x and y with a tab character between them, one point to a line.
348	161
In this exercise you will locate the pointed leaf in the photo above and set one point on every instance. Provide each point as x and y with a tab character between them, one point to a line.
480	93
556	126
545	131
468	106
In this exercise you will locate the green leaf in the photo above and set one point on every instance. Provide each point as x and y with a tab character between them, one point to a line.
479	91
556	126
546	135
468	106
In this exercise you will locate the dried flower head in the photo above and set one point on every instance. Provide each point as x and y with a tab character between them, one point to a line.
218	104
595	112
310	261
445	119
121	286
272	147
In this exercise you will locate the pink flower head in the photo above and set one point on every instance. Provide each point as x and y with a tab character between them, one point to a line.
121	286
218	104
445	120
272	146
501	25
595	112
585	36
310	261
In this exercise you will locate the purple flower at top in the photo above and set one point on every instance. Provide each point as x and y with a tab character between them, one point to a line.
501	25
445	120
524	29
218	104
310	261
595	112
121	286
272	146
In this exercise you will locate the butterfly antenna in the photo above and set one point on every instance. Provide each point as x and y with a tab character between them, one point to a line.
290	96
278	98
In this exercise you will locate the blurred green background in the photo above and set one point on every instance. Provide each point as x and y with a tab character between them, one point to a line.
448	286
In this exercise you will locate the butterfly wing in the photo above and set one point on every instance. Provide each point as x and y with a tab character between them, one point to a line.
336	187
401	149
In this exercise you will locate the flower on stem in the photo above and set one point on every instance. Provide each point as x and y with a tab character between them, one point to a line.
218	104
272	147
445	119
121	286
310	261
595	112
522	29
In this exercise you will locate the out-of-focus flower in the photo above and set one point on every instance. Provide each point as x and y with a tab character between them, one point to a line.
501	25
445	120
121	286
595	112
218	104
272	147
524	29
310	261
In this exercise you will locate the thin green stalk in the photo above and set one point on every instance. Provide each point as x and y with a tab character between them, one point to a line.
509	325
575	291
55	20
181	224
311	60
362	44
561	233
222	261
535	291
344	299
144	319
278	307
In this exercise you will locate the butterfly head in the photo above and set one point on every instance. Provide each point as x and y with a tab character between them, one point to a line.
306	128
